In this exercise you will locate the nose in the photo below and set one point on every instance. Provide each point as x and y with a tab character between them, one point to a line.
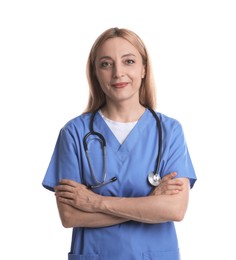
118	70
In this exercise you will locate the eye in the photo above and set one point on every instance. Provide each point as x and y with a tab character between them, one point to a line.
105	64
129	61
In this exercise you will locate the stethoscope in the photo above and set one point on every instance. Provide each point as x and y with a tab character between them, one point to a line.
153	177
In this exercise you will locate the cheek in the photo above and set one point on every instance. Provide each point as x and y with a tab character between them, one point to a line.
137	73
103	82
137	77
102	77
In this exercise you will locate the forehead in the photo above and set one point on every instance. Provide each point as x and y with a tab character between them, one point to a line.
116	46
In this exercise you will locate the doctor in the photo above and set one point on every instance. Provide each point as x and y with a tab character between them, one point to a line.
102	158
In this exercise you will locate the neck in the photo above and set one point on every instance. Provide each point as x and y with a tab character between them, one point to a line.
123	113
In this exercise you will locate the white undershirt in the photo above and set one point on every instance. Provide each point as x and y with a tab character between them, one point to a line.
120	129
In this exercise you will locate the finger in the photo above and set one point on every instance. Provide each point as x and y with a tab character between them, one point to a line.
65	201
69	182
171	185
174	187
175	182
63	194
63	188
169	176
171	192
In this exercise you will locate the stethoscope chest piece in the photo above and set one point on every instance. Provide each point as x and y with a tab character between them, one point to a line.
154	179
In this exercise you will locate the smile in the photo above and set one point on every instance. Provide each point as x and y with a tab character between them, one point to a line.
120	85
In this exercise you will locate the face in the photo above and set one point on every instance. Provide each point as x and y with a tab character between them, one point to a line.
119	70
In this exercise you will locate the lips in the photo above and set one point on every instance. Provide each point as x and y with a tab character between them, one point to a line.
120	84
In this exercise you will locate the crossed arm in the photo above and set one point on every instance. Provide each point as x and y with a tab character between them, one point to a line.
80	207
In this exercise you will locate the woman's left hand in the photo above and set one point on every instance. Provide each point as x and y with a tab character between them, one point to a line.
169	185
76	195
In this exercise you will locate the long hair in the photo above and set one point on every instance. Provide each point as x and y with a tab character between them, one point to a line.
97	98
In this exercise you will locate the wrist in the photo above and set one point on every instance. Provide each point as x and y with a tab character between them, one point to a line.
98	203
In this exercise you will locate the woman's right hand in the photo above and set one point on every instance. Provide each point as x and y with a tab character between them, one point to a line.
169	185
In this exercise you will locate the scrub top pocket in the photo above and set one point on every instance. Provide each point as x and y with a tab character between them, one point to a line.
83	257
162	255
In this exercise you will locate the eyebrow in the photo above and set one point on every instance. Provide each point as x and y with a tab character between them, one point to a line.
123	56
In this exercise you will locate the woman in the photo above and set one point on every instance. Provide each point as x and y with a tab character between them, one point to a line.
102	158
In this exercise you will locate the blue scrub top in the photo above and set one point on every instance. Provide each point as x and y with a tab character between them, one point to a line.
130	162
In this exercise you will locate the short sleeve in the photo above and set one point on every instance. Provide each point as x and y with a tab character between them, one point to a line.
64	163
177	156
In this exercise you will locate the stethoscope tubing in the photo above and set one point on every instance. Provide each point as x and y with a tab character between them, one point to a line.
101	138
159	154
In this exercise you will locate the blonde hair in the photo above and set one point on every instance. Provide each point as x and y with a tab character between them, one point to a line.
97	98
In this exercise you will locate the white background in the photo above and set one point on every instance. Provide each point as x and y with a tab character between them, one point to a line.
43	51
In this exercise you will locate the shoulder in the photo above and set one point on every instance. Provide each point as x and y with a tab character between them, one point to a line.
169	122
77	124
171	127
